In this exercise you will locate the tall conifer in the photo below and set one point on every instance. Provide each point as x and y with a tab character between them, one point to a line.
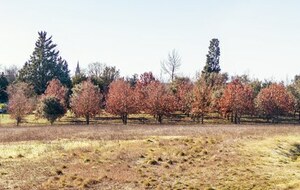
45	64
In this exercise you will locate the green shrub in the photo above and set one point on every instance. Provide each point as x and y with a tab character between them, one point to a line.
51	109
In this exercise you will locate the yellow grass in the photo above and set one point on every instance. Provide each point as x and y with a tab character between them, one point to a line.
157	157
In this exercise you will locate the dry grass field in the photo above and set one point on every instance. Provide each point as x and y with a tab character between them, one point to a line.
150	157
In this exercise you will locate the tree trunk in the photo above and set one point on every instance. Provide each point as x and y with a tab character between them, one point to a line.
202	118
159	119
124	119
18	121
87	118
231	117
193	117
275	119
235	118
299	116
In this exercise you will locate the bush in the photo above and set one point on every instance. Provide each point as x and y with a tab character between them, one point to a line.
3	108
51	109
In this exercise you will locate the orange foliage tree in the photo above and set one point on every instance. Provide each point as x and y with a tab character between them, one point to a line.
160	101
122	100
21	101
183	89
217	83
202	94
141	89
53	103
274	101
146	78
57	90
237	99
85	100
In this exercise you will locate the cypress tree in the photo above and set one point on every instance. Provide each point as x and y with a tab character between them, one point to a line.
212	58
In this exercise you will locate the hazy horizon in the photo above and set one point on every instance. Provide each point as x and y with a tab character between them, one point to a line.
256	38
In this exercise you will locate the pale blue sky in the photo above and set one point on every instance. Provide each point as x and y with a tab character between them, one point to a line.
257	37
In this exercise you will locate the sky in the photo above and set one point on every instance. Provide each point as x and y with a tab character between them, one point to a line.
260	38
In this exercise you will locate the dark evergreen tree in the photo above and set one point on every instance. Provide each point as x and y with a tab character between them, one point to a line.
44	65
133	80
212	58
3	87
51	109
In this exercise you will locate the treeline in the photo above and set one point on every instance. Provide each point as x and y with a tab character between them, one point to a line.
44	86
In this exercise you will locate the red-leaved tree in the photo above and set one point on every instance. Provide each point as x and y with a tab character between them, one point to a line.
57	90
237	99
274	101
52	104
21	101
85	100
183	89
141	89
146	78
160	101
122	100
202	98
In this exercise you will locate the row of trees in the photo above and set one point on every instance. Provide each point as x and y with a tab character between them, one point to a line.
231	100
44	85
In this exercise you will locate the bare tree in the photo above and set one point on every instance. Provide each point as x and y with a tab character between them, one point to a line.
96	69
172	64
11	73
